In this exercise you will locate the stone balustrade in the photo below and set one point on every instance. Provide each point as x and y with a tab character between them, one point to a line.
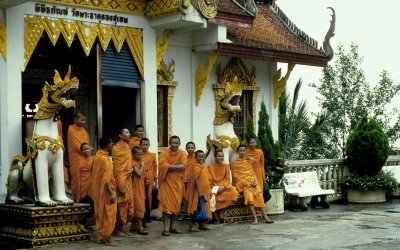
330	171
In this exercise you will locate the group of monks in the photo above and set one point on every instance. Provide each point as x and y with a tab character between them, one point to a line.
120	180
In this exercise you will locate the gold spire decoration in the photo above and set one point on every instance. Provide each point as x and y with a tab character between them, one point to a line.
3	40
279	83
202	75
86	33
161	48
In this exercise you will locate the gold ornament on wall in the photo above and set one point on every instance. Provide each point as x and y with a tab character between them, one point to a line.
162	47
202	75
186	4
208	8
3	40
279	83
86	33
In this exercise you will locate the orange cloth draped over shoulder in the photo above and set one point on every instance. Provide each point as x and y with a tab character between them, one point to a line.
106	212
76	136
60	133
258	167
170	182
199	172
221	176
138	188
122	162
150	172
134	142
191	161
85	168
243	175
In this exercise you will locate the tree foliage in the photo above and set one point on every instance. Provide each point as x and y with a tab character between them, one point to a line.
347	96
367	148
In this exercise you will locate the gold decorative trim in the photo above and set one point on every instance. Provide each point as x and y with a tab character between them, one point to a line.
127	6
202	75
3	40
165	76
227	141
87	35
161	48
279	84
208	8
54	144
160	7
185	4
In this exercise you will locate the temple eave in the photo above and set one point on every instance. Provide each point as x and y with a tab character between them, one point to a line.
227	19
232	50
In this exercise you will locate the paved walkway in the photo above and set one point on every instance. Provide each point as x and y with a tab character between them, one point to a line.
375	226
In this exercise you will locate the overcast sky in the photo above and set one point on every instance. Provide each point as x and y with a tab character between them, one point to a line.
373	25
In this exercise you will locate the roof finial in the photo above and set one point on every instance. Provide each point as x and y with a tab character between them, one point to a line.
326	47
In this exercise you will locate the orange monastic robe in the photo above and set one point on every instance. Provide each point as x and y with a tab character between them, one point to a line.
85	168
134	142
199	172
138	188
191	161
150	172
122	162
221	176
243	175
258	167
76	136
106	212
170	182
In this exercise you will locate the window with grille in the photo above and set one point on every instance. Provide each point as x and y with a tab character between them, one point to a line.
162	115
245	113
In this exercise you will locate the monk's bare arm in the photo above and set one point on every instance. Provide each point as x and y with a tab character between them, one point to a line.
137	171
111	193
176	167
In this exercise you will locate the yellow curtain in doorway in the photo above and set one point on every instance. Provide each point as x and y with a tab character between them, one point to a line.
87	34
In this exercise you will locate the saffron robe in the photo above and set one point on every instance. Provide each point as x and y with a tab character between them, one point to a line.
105	211
191	161
85	168
134	142
138	188
76	136
150	172
243	175
170	182
258	167
122	162
199	172
221	176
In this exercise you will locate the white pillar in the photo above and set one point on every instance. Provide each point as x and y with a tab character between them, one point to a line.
3	76
11	93
274	114
149	88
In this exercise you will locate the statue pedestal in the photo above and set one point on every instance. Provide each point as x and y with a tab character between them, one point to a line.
31	226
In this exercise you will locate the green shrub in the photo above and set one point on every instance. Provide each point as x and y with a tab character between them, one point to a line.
365	183
367	148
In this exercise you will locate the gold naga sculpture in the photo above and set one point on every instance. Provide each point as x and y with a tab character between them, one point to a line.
45	150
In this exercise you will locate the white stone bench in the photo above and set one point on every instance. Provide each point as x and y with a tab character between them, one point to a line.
300	186
396	174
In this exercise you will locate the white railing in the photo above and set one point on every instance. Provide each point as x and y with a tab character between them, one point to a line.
330	171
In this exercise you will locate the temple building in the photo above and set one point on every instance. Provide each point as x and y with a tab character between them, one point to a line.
160	63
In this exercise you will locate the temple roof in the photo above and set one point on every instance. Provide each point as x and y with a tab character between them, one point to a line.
230	13
273	37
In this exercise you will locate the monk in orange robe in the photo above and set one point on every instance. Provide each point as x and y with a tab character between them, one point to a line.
150	173
247	182
191	160
170	179
122	162
199	186
85	168
256	156
135	140
220	173
138	185
102	190
77	135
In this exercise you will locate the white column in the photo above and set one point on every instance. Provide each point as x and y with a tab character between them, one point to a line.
11	93
149	88
274	114
3	75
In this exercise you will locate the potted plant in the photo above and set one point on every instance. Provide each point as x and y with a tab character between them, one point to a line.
367	149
